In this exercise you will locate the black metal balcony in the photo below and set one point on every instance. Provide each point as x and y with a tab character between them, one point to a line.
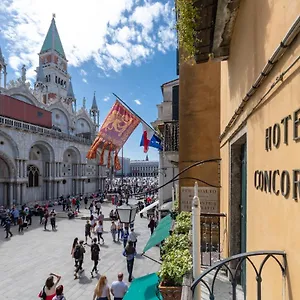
235	275
171	136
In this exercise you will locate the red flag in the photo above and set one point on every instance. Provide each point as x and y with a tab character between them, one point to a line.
114	132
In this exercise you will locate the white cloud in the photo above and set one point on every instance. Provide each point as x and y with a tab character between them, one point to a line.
138	102
83	72
113	33
84	80
106	99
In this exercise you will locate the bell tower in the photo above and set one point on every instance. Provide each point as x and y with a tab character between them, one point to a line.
54	67
94	112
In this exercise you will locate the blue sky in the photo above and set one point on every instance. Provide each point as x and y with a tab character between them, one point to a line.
126	47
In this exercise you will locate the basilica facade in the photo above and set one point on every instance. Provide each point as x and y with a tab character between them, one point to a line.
39	162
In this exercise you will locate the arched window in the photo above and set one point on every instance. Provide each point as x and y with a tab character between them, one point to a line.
55	79
49	78
58	80
33	174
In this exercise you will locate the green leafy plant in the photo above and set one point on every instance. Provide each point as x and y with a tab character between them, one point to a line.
183	223
176	241
175	265
187	19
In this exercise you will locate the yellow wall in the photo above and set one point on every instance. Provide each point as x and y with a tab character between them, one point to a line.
273	222
199	120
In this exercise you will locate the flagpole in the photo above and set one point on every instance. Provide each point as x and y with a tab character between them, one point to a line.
141	119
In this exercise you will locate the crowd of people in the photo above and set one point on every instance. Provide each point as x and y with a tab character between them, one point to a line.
121	233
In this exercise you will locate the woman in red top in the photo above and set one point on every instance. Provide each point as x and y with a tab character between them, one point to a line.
49	290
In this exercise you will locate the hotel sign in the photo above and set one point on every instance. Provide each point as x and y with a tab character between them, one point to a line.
209	199
284	182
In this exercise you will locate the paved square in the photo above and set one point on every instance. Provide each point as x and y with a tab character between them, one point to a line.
27	259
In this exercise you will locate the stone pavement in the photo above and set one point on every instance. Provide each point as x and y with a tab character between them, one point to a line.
26	260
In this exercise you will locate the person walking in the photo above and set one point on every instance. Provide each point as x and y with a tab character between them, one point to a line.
98	207
79	256
102	291
99	231
87	231
151	225
20	223
120	230
113	230
95	251
85	202
52	219
46	216
78	204
75	243
119	288
49	289
129	252
7	228
91	208
59	293
125	237
132	237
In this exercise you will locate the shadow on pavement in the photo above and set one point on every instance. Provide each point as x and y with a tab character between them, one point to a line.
85	280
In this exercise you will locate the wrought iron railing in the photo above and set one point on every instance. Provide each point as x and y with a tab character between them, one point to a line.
19	125
234	275
210	238
171	136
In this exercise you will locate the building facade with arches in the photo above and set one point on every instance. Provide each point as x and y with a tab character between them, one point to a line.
39	163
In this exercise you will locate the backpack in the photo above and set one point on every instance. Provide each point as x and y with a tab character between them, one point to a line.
95	252
77	252
42	294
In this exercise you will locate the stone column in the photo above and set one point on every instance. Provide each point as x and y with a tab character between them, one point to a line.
18	196
10	194
25	169
57	194
49	190
23	193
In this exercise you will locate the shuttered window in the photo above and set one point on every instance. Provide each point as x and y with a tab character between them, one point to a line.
175	103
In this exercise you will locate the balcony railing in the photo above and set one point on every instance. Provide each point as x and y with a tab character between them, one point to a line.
19	125
208	278
171	136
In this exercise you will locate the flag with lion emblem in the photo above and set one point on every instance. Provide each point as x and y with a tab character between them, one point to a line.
116	129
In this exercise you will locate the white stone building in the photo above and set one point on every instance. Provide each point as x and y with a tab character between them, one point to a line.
39	163
143	168
168	124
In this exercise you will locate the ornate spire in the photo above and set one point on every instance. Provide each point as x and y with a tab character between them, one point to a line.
70	93
94	104
52	40
40	77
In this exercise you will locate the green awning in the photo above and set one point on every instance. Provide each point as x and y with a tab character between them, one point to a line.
161	232
144	288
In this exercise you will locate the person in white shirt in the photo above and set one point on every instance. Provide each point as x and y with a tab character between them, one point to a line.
132	237
119	288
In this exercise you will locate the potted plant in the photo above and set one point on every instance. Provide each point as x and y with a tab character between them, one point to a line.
176	241
183	223
175	265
